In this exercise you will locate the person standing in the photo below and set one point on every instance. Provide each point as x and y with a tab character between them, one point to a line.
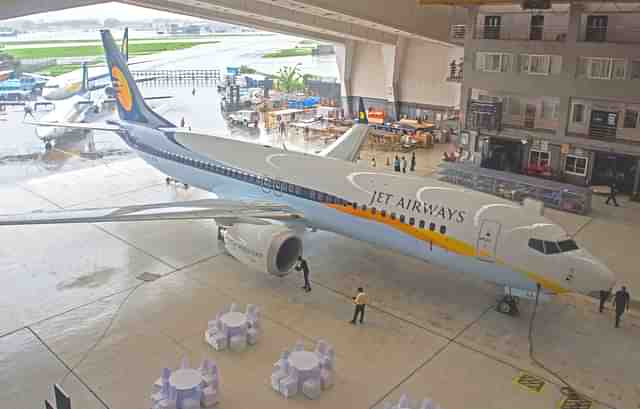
404	165
604	296
621	302
28	111
613	189
182	122
360	302
304	267
193	92
373	162
396	164
413	161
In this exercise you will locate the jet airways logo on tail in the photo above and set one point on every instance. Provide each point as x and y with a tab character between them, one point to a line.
123	93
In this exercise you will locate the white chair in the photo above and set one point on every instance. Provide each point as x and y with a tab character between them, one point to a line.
238	343
403	403
219	341
164	378
321	348
299	346
427	404
170	402
277	376
233	307
184	363
311	388
326	379
289	385
283	362
252	336
209	397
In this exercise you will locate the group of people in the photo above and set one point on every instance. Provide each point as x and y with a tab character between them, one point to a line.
400	163
360	300
621	301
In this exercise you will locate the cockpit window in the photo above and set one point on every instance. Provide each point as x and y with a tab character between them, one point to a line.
567	245
552	247
536	245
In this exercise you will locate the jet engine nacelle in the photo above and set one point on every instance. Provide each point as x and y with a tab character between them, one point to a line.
270	248
110	92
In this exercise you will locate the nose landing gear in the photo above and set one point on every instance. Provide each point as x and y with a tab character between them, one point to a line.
508	305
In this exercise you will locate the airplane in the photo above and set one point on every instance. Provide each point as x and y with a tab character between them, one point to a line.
271	196
84	106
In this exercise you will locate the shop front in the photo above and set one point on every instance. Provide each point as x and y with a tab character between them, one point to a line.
503	154
609	166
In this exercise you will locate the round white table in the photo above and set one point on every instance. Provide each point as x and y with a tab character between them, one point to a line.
187	383
235	322
306	363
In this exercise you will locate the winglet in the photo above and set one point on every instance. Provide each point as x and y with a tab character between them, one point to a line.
362	114
124	47
129	100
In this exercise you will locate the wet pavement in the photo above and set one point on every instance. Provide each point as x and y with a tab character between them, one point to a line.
70	298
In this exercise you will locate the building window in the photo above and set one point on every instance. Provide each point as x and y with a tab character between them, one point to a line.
494	62
549	109
536	64
578	113
604	68
630	118
576	165
619	71
635	70
539	158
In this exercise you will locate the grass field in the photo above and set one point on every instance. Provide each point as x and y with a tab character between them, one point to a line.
289	52
55	70
90	50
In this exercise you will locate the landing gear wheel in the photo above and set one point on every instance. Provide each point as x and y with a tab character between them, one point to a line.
508	305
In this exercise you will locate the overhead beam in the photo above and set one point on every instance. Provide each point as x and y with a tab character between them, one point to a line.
12	9
267	16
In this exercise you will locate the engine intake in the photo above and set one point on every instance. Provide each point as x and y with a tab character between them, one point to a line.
270	248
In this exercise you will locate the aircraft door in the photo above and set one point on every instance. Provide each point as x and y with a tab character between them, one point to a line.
488	240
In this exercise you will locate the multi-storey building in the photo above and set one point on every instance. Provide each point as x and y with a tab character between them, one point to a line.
554	92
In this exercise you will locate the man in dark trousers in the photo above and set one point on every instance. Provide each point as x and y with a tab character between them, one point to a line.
604	296
621	302
302	266
413	162
613	189
360	301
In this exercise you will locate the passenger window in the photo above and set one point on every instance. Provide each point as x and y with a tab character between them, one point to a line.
402	218
443	229
421	224
568	245
536	245
284	186
321	197
432	226
355	206
312	194
551	247
292	188
383	213
393	216
298	191
364	208
412	221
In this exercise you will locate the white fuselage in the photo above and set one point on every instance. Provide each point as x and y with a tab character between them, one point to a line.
420	217
68	85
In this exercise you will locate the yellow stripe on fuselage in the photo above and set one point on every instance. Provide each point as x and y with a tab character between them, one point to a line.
444	242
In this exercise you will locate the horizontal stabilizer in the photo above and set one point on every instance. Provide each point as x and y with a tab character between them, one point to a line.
77	125
225	211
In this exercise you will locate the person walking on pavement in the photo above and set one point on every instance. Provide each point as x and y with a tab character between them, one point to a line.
413	161
360	301
396	164
404	165
193	92
302	266
182	122
28	111
604	296
613	189
621	302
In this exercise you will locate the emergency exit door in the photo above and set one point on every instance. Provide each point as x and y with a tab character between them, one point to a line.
488	240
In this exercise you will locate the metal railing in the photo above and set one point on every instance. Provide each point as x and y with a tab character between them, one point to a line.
458	32
611	34
532	33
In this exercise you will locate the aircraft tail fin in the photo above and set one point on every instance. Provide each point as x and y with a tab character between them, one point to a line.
129	100
362	114
124	47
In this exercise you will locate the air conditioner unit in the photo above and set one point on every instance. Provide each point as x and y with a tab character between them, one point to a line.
536	4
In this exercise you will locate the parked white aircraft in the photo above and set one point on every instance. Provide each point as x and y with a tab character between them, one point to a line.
273	192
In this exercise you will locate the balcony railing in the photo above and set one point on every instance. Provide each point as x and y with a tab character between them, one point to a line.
611	34
532	33
458	32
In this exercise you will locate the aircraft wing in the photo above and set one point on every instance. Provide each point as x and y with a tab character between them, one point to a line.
112	100
222	211
348	146
12	103
77	125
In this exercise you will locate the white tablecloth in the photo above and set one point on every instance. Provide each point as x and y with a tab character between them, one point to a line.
235	322
307	364
187	383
